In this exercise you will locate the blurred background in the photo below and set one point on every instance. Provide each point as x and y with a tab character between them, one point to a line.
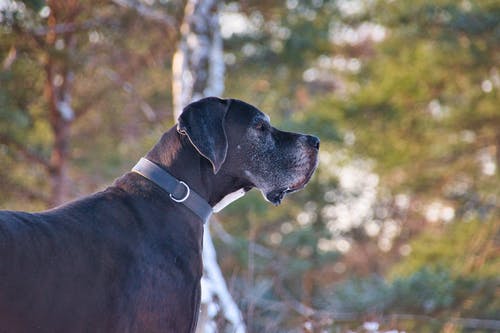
399	229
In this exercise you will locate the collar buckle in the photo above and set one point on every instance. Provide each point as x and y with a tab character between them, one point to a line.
188	191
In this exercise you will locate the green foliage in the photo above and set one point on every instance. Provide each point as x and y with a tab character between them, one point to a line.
420	108
427	291
361	296
435	291
35	5
423	292
115	82
465	248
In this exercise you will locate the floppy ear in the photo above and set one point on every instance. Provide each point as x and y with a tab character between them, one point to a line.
203	123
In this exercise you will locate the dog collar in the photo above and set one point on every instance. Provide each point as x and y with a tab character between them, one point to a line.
178	190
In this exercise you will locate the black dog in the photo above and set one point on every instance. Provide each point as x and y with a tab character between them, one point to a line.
128	259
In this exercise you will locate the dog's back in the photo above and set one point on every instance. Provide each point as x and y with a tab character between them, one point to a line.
60	269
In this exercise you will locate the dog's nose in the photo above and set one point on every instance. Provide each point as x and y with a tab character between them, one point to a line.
312	141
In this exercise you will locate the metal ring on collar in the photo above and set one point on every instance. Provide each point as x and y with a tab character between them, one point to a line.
188	191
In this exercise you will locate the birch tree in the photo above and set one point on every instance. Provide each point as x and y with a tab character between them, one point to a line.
198	71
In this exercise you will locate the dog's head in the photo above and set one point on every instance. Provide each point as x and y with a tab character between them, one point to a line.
240	142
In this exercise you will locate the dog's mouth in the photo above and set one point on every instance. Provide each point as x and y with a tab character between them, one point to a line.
276	196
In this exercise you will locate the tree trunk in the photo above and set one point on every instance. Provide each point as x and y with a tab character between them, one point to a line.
58	86
198	71
198	65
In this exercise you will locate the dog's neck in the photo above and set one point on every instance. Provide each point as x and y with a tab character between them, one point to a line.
175	153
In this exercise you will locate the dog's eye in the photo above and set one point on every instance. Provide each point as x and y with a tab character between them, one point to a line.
261	126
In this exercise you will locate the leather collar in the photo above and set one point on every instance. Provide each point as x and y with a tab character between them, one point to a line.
178	190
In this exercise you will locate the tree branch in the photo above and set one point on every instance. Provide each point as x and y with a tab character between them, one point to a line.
228	239
21	190
84	108
64	28
25	151
483	324
10	58
305	310
148	111
148	12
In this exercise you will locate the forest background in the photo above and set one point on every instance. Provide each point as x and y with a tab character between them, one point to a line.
400	227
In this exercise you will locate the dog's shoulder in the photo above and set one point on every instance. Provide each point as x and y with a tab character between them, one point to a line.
13	222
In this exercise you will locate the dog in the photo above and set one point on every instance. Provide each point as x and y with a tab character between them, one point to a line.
129	258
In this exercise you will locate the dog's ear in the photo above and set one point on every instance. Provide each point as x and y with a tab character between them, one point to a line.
203	123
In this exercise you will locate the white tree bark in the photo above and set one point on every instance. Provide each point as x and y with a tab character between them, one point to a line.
198	71
198	65
213	284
